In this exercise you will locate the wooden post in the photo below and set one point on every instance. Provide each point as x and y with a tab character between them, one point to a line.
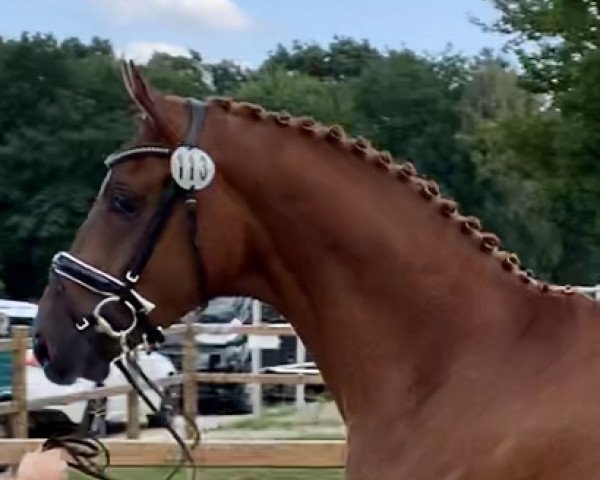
133	409
255	355
300	388
189	363
19	382
190	384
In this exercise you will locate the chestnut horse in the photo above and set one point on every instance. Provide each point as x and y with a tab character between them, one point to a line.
446	360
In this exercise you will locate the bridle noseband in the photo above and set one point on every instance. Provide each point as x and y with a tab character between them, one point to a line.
120	291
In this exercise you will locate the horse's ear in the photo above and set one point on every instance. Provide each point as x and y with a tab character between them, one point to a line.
147	98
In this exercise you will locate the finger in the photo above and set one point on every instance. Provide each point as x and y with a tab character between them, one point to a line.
54	453
59	454
65	456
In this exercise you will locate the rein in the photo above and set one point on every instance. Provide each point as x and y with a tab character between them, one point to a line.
191	169
84	452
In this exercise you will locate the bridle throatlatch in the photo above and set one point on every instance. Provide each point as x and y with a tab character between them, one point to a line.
192	169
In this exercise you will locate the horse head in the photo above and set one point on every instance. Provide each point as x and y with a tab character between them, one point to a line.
137	262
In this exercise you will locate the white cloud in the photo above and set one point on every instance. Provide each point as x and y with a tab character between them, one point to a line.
214	14
141	52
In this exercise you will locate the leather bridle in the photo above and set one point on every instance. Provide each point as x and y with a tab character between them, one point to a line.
122	291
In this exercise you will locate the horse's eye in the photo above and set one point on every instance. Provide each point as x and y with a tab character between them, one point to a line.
122	204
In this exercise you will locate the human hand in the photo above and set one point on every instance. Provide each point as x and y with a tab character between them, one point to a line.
47	465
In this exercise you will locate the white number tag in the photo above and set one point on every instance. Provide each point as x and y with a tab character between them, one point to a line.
192	168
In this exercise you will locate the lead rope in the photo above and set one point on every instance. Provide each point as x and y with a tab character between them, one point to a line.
83	452
187	455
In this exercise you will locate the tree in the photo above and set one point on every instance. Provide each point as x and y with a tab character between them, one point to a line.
406	107
344	58
226	76
514	200
550	37
557	43
62	112
63	109
299	94
185	76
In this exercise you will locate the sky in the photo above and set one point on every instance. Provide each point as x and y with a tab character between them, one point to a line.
247	30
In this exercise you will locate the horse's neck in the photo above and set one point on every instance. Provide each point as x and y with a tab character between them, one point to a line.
374	279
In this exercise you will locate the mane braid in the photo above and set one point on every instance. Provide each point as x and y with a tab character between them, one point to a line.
406	172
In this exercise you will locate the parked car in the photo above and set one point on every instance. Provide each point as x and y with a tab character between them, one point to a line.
226	353
231	353
278	393
286	352
65	418
12	313
154	365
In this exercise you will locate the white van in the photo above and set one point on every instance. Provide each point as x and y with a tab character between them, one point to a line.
13	312
155	365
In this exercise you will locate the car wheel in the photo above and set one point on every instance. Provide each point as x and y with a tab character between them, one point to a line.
239	402
94	420
99	426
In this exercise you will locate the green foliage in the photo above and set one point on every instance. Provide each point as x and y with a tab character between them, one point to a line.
62	109
521	152
226	76
407	105
550	37
178	75
345	58
299	94
557	43
494	110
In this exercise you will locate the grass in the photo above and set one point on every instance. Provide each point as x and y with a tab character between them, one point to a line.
229	474
280	418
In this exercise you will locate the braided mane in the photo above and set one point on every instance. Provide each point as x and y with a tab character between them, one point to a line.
406	173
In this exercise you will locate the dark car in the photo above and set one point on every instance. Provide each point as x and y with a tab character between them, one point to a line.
230	353
225	353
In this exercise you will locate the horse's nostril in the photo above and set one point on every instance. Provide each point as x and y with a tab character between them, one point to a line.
40	350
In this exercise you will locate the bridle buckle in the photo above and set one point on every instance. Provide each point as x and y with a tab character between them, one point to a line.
83	324
131	278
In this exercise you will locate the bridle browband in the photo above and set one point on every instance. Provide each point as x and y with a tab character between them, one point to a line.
123	291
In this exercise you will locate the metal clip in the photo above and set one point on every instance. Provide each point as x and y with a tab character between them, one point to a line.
85	323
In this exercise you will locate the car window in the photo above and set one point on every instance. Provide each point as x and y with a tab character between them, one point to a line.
224	309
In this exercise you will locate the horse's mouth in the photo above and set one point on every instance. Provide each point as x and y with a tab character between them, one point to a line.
68	376
66	371
59	378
